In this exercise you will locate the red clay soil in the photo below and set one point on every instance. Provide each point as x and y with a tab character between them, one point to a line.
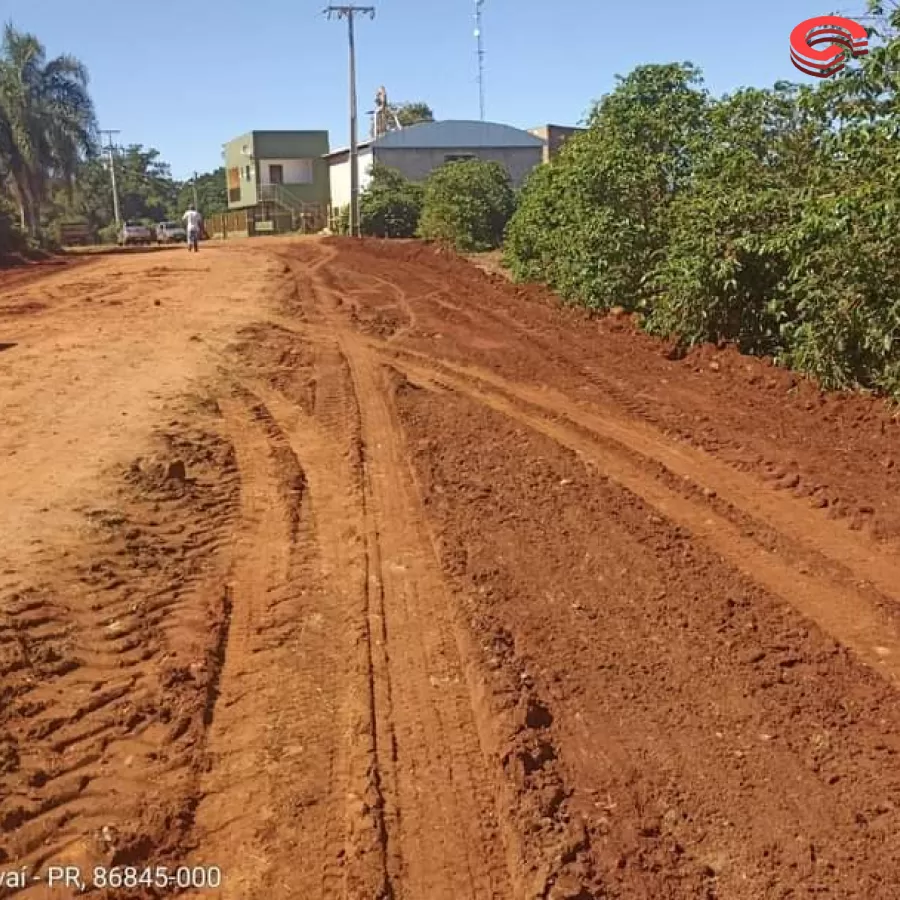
350	571
845	448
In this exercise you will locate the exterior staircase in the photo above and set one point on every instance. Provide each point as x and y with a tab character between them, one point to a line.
305	217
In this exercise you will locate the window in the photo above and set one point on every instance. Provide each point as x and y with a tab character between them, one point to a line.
234	185
248	173
276	174
458	157
303	171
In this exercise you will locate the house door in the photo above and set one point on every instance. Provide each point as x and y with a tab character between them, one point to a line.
276	174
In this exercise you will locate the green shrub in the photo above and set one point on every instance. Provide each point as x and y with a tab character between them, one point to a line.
845	283
595	221
109	234
767	218
724	272
467	204
391	206
340	221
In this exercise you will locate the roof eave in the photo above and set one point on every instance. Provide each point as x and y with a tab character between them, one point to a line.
345	151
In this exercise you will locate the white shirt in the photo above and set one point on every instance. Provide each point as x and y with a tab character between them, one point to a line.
192	219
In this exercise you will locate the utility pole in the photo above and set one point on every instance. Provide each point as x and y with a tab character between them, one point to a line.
195	192
478	38
349	13
112	173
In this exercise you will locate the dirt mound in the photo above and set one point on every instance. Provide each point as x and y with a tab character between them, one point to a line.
755	416
691	716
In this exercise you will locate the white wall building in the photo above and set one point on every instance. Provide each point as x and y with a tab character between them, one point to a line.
286	171
339	173
419	149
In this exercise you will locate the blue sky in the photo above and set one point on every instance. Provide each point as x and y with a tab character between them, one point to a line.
186	77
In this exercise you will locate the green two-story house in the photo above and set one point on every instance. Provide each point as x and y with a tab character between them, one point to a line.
271	174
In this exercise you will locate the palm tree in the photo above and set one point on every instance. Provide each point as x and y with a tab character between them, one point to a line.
47	121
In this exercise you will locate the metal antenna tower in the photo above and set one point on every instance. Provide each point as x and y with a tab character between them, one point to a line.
478	5
349	13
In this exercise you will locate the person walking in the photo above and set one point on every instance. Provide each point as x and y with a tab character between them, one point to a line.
193	221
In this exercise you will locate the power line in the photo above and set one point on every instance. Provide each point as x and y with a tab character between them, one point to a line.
349	13
109	132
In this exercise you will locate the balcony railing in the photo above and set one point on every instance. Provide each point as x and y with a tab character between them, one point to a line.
283	196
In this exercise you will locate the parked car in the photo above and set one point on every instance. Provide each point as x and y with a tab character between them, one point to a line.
170	233
135	233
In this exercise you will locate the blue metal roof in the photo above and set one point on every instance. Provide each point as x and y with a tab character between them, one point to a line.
457	133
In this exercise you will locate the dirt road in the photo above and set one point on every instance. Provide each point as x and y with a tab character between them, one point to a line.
349	571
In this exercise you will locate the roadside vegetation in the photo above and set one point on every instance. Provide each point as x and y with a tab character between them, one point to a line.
391	206
47	127
768	219
465	204
52	168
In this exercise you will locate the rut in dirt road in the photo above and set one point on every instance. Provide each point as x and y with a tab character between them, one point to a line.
105	675
735	526
120	496
420	811
769	548
382	578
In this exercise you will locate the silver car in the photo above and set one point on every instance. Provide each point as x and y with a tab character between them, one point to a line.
135	233
170	233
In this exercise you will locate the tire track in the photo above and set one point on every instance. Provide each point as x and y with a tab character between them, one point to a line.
329	448
733	516
838	552
613	447
428	649
426	776
275	747
100	722
447	830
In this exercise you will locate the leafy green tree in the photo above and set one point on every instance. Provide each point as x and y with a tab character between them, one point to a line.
767	218
391	206
89	200
145	187
846	238
212	194
147	191
594	222
467	203
404	115
47	121
845	284
724	271
412	113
